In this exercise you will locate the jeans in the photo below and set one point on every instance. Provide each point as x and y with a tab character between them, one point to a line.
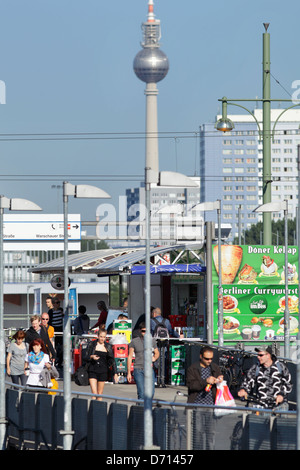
16	378
139	380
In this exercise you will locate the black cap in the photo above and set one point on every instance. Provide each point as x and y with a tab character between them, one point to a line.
266	349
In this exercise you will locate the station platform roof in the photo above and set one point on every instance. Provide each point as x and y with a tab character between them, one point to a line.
126	261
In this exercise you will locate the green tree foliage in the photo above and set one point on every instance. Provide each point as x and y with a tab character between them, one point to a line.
253	236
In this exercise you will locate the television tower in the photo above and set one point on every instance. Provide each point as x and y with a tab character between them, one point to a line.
151	65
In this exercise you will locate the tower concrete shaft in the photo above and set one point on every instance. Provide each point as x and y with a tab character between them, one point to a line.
151	66
151	150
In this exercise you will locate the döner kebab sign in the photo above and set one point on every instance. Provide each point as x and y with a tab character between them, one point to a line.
253	284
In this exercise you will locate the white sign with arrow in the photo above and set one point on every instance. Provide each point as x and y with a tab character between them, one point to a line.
40	228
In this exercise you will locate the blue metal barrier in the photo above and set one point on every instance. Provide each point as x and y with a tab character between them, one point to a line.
36	419
97	433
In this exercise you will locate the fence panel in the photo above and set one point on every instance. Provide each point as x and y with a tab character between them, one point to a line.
177	429
79	423
284	433
258	434
12	413
136	428
27	421
44	422
160	427
97	433
58	422
117	425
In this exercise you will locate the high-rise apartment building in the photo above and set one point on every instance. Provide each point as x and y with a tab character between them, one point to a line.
165	228
231	166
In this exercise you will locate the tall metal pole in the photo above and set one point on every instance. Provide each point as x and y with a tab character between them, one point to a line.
298	339
286	309
220	290
240	224
209	296
148	373
67	433
266	134
2	341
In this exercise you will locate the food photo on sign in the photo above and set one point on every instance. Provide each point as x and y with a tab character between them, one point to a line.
254	292
255	264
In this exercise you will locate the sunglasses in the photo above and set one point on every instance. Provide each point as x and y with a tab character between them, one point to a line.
261	355
143	331
207	358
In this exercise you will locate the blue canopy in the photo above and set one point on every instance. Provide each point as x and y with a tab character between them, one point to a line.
170	268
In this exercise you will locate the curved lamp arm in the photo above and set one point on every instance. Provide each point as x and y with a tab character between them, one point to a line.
246	109
286	109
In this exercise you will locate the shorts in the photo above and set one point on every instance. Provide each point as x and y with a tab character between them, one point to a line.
99	376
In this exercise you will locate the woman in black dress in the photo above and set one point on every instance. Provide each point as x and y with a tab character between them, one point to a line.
101	359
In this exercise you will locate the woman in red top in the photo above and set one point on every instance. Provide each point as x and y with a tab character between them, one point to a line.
103	315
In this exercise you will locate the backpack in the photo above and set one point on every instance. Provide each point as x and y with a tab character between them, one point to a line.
160	330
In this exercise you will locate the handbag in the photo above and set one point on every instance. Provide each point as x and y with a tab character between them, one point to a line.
81	376
224	399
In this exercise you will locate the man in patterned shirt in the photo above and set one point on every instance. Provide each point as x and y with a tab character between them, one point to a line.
270	380
201	380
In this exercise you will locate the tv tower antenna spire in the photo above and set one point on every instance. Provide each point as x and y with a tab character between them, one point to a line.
151	16
151	65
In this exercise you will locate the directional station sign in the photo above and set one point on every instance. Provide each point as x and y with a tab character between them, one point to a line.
39	231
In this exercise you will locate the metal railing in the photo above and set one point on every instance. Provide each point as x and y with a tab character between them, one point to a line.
35	421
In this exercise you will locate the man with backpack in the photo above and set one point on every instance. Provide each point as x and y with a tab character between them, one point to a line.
270	380
161	327
161	330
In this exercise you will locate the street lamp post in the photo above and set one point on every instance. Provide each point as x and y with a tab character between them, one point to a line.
298	339
210	206
224	124
79	191
170	179
239	225
277	207
15	204
27	304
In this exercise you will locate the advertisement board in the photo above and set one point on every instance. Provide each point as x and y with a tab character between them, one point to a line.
253	286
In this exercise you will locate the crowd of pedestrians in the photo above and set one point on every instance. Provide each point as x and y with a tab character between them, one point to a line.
35	356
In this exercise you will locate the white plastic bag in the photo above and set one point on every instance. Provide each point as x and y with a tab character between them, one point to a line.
224	399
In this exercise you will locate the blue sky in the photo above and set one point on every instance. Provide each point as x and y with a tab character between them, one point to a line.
76	111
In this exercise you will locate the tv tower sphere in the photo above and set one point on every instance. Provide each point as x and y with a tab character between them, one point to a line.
151	65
